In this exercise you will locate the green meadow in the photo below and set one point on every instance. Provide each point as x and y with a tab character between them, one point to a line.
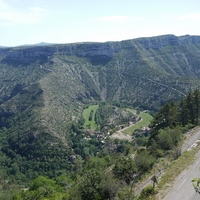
145	121
86	114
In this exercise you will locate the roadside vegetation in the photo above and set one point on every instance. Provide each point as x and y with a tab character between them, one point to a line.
172	170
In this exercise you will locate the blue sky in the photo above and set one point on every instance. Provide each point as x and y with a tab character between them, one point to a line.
68	21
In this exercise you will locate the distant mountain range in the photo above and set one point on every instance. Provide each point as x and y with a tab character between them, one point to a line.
26	45
44	87
37	44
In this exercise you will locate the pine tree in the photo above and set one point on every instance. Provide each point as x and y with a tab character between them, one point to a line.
190	107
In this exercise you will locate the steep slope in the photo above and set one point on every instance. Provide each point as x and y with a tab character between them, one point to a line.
43	88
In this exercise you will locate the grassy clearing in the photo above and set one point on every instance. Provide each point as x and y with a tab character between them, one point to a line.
146	119
86	113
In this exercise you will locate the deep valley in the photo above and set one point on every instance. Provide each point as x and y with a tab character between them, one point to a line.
45	90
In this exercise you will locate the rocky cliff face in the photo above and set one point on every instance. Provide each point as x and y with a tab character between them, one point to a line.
109	49
159	42
31	54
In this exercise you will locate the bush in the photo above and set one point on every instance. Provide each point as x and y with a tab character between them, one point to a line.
147	192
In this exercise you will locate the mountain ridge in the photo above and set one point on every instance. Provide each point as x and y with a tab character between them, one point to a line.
75	48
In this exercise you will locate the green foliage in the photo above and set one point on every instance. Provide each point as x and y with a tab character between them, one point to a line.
97	163
147	192
109	186
144	161
125	193
176	134
42	188
90	185
91	115
173	116
109	116
164	140
166	116
196	184
9	193
64	181
125	169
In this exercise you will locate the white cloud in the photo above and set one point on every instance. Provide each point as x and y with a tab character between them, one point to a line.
113	18
10	15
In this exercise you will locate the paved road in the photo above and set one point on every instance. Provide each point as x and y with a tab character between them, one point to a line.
183	189
190	141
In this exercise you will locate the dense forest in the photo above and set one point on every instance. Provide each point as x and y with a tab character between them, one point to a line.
98	171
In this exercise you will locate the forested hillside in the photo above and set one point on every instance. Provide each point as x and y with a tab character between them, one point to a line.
116	173
44	90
